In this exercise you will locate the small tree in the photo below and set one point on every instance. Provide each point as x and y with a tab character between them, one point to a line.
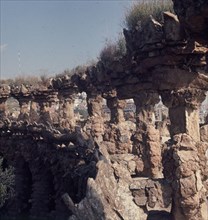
6	183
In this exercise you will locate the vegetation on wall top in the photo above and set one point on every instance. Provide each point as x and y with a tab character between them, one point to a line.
137	15
113	50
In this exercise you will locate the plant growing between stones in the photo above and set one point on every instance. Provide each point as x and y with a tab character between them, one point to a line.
138	14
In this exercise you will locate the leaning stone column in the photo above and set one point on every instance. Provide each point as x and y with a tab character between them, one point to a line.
45	116
23	95
183	107
117	132
147	139
4	94
53	105
34	115
116	107
45	99
24	107
94	105
3	112
66	107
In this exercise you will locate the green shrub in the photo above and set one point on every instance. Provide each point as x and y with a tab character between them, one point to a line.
113	50
6	183
137	15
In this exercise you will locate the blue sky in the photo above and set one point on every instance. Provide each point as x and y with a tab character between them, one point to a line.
51	36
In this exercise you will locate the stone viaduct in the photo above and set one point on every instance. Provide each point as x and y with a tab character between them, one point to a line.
103	169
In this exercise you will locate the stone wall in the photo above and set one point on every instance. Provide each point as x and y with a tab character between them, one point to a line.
107	169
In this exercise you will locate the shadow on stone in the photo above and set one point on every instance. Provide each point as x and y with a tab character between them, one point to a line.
159	215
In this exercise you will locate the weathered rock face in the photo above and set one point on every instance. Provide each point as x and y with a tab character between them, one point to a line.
204	133
100	202
193	16
154	195
134	196
172	28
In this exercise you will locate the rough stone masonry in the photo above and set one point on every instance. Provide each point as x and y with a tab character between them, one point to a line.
104	169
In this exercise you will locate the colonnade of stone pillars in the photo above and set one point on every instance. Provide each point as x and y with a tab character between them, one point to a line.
147	139
183	104
42	107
